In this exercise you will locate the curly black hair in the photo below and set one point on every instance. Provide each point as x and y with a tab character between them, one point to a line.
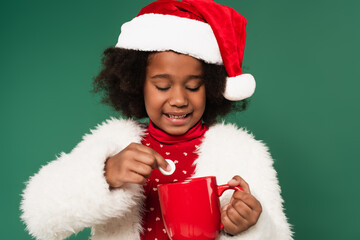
122	77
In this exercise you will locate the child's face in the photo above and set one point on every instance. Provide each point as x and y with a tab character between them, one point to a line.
174	91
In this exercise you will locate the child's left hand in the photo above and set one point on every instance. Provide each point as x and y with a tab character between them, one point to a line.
243	210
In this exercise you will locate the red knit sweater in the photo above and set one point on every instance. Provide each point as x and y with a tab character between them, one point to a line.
182	151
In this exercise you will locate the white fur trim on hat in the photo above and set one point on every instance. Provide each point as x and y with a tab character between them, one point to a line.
239	87
157	32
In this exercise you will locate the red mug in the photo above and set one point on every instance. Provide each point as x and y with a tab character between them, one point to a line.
191	208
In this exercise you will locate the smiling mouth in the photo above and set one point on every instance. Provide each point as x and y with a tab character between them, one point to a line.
177	116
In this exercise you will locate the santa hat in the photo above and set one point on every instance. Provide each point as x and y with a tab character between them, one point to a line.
200	28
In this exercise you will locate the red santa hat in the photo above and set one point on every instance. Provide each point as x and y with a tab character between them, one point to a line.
200	28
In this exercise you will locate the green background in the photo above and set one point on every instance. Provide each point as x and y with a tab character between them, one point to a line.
303	54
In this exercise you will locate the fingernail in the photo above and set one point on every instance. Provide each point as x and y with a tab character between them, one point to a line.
168	168
232	181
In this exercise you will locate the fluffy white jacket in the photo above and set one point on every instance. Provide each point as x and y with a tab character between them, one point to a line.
71	193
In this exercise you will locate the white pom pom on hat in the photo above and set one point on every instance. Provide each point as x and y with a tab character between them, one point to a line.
202	29
239	87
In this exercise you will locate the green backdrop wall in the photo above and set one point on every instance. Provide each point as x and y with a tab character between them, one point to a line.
304	55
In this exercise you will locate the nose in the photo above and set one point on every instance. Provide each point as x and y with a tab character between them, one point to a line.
178	98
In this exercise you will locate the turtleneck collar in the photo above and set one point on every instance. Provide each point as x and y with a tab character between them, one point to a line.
196	131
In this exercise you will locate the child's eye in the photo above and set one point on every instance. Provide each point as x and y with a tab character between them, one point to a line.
162	88
193	89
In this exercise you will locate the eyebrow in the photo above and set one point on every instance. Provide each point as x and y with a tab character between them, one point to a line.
168	76
195	77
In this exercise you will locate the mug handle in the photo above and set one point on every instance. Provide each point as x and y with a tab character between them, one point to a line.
221	189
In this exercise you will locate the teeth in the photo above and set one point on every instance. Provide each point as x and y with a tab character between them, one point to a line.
177	117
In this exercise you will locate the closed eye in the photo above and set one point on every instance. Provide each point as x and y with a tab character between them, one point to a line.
162	89
193	89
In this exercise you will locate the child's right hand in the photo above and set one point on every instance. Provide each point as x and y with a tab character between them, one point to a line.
132	165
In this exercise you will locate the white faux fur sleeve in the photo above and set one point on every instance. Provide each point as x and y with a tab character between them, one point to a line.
228	151
71	193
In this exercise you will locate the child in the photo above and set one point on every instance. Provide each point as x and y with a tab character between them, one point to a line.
177	63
